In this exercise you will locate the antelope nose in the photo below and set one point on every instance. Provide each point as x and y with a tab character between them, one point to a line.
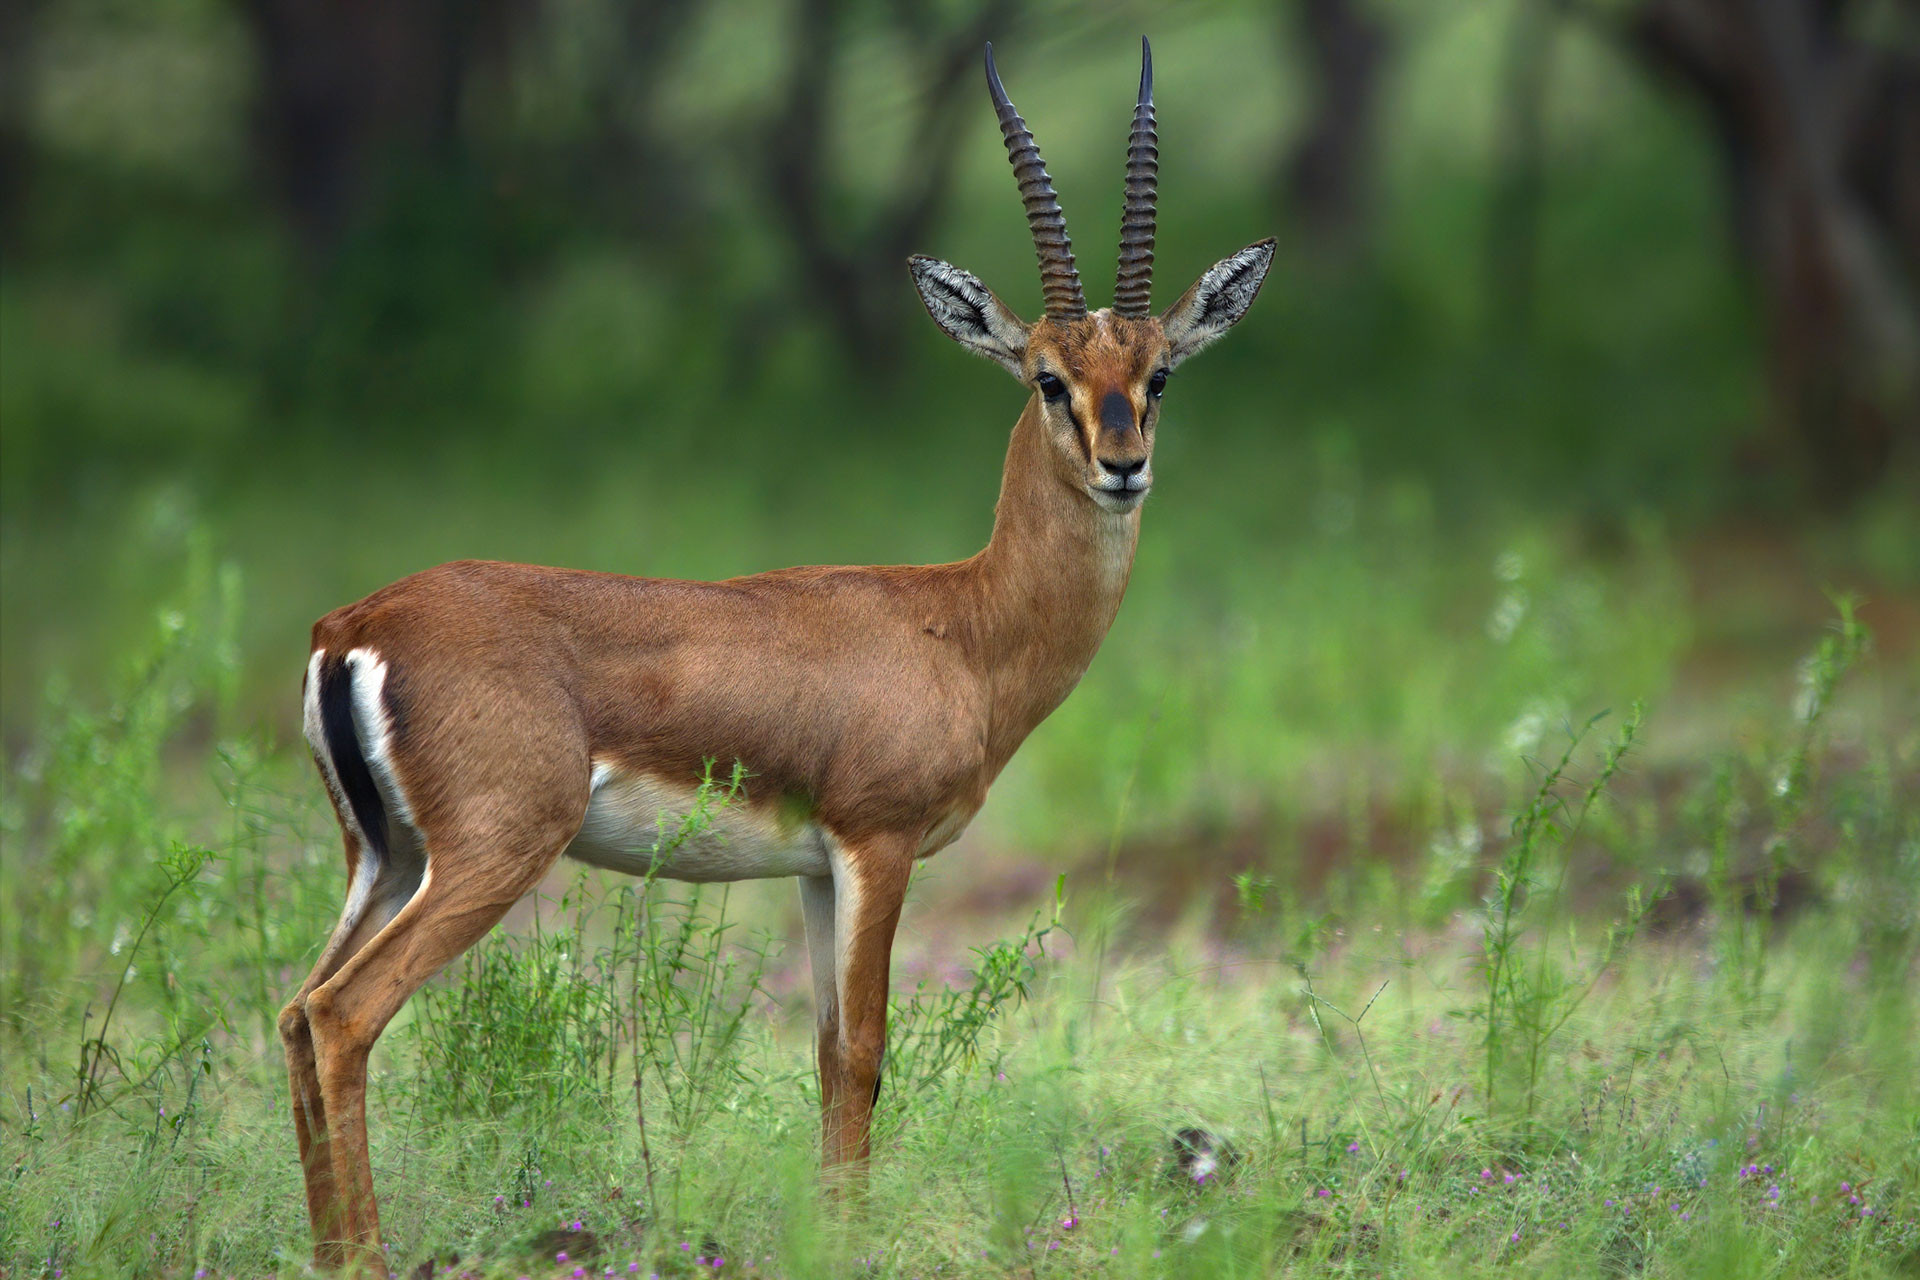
1132	475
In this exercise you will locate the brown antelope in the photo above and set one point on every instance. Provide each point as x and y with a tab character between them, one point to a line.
477	721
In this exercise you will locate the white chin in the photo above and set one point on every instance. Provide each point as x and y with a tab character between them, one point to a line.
1119	503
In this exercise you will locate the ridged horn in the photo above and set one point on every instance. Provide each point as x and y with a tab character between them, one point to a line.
1133	287
1059	280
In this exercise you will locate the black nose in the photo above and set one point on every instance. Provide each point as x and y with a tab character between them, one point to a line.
1124	470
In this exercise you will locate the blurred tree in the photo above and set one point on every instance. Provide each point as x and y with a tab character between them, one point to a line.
353	92
851	266
16	66
1326	178
1816	108
1513	222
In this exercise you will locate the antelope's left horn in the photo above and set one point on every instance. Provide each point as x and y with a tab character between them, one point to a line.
1134	285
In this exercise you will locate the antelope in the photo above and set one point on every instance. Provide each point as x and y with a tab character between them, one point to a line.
477	721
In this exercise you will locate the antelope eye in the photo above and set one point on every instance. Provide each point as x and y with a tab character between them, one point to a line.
1157	383
1050	387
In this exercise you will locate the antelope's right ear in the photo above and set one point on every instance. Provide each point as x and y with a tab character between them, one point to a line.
969	312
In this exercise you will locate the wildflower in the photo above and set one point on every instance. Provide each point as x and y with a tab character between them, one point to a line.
1768	1169
1853	1199
1352	1147
575	1227
1773	1192
560	1256
1069	1223
1609	1204
1515	1238
1846	1186
1485	1174
1867	1212
1323	1193
1512	1178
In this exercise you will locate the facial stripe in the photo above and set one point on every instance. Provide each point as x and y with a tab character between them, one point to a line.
1116	412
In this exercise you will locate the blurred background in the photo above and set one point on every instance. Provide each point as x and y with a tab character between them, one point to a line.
1589	370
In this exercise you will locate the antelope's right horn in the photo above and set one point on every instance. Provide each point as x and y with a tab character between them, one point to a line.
1059	279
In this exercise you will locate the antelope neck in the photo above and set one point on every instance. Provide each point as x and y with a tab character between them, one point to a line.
1047	585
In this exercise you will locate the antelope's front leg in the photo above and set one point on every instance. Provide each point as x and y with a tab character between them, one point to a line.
869	885
816	906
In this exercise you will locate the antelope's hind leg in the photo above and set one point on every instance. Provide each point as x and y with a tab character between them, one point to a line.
376	891
471	881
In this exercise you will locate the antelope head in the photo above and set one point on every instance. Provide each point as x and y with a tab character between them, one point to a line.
1097	378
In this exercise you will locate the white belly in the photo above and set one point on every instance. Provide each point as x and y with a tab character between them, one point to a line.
639	824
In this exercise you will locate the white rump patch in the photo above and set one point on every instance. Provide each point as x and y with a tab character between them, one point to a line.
638	824
376	729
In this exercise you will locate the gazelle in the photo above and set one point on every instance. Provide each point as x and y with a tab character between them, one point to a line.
477	721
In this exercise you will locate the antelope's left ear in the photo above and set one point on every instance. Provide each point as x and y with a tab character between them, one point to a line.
1217	300
969	312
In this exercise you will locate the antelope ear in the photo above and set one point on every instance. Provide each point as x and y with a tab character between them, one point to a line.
1217	300
969	312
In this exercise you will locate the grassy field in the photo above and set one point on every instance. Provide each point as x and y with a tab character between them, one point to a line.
1293	877
1619	1010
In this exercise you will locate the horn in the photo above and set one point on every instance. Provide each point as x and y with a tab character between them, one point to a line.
1059	281
1134	285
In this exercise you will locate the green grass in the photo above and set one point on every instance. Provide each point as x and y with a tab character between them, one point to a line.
1521	1052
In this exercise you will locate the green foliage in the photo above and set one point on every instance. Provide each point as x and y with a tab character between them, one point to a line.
932	1030
1532	992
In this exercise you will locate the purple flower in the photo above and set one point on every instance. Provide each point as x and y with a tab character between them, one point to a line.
1323	1193
1773	1192
560	1256
1512	1178
1514	1239
1352	1147
1846	1186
